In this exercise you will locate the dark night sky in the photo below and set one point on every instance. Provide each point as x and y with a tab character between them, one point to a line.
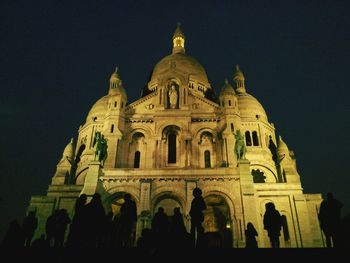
56	58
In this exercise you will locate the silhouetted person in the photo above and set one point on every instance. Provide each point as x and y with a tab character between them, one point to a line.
146	240
29	225
108	230
197	216
330	219
78	229
14	237
50	227
61	224
127	221
273	224
95	221
177	230
250	234
160	226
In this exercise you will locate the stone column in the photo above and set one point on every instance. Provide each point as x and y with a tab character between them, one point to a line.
190	185
91	179
144	217
248	198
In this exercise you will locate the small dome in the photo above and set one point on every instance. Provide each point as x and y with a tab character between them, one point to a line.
69	150
184	62
99	109
250	107
227	89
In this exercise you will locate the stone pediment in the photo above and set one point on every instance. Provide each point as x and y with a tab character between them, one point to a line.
201	104
145	105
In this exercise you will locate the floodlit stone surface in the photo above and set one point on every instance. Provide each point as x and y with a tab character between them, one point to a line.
163	145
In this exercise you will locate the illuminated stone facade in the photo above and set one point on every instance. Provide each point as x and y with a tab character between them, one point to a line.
179	135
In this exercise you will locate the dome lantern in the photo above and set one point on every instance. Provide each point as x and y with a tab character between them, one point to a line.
178	40
115	80
239	79
116	84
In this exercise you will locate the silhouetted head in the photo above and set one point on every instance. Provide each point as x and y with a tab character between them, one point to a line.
270	206
83	197
160	209
96	196
197	192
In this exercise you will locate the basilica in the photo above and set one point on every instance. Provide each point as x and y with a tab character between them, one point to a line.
180	135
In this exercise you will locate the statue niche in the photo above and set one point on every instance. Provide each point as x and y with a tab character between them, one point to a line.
173	95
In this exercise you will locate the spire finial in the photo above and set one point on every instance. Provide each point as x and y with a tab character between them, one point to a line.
226	81
116	69
237	67
178	24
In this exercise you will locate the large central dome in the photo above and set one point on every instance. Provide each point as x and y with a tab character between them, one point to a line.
192	72
185	63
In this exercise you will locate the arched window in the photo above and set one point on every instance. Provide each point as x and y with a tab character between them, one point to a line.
115	104
248	139
207	159
229	102
255	138
112	128
172	148
137	159
232	127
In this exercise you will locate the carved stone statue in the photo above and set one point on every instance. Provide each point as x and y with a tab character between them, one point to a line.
173	96
240	148
100	146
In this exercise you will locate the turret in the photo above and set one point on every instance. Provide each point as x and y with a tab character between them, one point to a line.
64	166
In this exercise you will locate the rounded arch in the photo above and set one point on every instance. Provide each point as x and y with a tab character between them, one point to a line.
200	130
220	217
268	172
146	131
208	191
164	126
168	200
132	190
114	201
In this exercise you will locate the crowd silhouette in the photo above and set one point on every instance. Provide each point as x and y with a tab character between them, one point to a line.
92	227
